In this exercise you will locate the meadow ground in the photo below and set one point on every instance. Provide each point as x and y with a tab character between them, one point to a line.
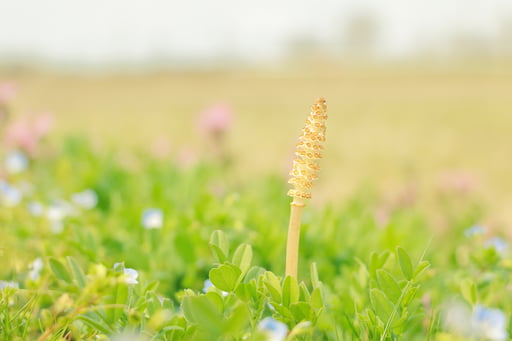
405	127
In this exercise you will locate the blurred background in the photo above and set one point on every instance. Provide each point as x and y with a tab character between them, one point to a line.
419	93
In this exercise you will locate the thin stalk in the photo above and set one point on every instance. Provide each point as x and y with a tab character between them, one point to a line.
292	245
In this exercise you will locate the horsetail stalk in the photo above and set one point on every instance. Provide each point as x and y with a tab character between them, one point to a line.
304	171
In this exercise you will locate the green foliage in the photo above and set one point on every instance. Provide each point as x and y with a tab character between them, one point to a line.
358	279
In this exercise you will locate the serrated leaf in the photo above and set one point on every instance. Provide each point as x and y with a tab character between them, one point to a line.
60	270
381	304
388	284
225	277
242	257
405	263
291	291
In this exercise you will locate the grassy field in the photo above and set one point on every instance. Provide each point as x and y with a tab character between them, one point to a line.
405	238
394	126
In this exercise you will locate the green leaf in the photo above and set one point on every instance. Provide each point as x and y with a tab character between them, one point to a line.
420	269
468	290
246	291
60	270
377	261
405	263
219	246
77	271
254	273
304	292
314	276
317	301
381	304
291	291
215	299
388	284
273	285
409	295
225	277
301	311
199	310
95	325
240	317
242	257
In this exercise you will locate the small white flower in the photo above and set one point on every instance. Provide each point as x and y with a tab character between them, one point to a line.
35	268
131	276
57	211
9	284
15	162
274	330
35	208
152	218
87	199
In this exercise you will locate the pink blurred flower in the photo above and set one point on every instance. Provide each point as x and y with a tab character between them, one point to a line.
186	158
216	120
161	147
458	181
25	135
43	124
8	91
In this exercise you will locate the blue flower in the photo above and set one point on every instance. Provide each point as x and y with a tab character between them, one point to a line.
87	199
489	324
152	218
208	284
9	284
497	243
9	196
273	330
15	162
475	230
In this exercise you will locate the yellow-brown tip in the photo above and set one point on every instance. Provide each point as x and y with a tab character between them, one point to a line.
305	167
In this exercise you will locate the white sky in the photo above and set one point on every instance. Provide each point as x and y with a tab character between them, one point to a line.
109	31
